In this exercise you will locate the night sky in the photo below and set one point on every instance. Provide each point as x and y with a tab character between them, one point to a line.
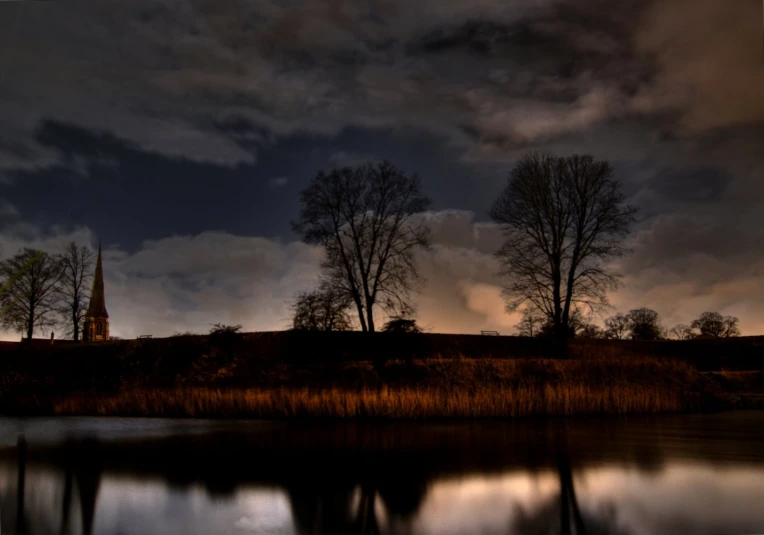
179	134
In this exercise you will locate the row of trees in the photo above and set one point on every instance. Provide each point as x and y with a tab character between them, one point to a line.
41	290
564	220
637	324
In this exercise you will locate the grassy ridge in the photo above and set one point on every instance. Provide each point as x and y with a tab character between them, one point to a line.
351	375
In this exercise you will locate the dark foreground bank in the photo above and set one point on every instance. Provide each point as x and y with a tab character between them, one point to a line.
352	375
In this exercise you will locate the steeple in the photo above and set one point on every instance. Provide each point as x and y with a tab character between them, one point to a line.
97	318
97	307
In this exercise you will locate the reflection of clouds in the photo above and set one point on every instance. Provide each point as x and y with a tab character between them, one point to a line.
131	507
42	501
482	504
683	498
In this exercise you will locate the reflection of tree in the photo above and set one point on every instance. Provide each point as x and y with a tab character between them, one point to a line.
403	496
320	508
22	467
82	470
83	467
562	514
328	508
321	505
366	516
568	501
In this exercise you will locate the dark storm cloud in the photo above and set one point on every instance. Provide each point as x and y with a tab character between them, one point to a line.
669	91
167	75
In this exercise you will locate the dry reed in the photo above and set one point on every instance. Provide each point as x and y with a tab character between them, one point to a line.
391	403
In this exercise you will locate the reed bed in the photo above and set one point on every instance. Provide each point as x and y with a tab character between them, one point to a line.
386	403
401	389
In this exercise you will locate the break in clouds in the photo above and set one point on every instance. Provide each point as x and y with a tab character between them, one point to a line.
668	90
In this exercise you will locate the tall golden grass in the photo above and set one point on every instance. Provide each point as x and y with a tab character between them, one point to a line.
403	403
450	389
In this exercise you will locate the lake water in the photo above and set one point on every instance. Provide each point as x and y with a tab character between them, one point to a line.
666	474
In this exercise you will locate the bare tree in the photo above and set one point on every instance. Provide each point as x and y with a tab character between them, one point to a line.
531	323
77	264
731	327
617	327
323	309
563	219
682	332
644	324
714	325
30	296
363	217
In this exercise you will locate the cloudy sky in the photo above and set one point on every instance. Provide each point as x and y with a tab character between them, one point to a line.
179	132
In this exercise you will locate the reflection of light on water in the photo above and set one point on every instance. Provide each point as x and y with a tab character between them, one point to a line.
130	506
43	493
703	498
133	507
681	497
476	504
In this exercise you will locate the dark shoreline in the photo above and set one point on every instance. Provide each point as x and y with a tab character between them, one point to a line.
359	376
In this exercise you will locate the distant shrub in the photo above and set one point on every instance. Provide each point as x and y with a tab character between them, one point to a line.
323	309
401	325
222	329
225	337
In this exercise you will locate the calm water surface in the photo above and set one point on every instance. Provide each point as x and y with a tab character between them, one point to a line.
639	475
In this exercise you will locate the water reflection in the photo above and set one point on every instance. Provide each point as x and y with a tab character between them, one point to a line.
689	474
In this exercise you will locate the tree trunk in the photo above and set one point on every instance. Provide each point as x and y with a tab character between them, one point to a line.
75	328
30	325
361	317
557	297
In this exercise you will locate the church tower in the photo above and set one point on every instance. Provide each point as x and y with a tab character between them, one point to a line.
97	318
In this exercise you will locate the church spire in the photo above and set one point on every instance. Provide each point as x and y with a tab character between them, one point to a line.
97	307
97	318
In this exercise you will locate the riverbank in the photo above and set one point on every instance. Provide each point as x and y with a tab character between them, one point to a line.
285	375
